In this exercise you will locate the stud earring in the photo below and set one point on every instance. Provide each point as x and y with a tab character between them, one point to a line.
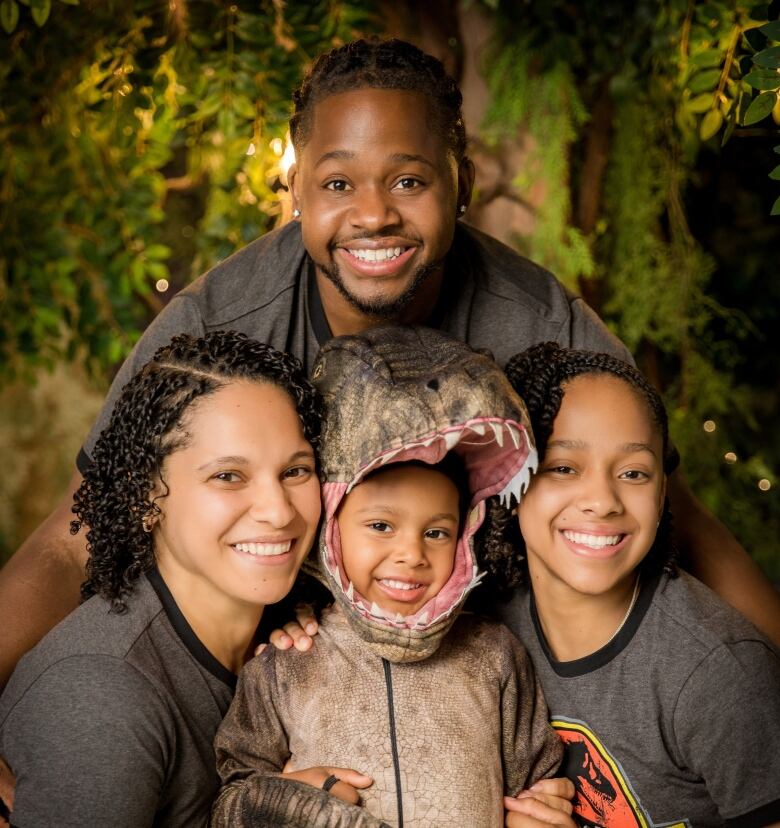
462	209
296	213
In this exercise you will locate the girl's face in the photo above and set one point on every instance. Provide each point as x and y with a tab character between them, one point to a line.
241	501
592	510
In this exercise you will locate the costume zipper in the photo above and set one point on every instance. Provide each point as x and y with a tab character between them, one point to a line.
394	741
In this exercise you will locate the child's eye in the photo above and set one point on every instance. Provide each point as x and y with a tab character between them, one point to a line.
559	469
338	185
437	534
379	526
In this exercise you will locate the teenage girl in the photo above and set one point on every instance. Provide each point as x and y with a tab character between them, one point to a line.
668	700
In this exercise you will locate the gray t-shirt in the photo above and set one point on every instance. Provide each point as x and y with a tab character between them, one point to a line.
110	720
492	298
676	721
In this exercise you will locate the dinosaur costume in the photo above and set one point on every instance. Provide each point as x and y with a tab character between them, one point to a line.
442	710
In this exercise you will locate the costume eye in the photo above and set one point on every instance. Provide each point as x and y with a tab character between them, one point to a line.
338	185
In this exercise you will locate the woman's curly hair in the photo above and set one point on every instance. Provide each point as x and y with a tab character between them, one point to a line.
147	424
539	375
382	64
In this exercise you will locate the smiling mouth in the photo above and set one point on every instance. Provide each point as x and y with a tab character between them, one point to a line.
372	254
592	541
264	550
402	585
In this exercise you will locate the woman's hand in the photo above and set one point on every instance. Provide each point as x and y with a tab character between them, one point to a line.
296	633
548	802
350	781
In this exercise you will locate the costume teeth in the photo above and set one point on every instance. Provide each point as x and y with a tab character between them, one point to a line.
451	439
498	432
519	483
399	619
423	619
350	593
479	428
514	435
377	611
427	442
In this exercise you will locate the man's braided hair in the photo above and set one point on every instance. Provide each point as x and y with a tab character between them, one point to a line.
147	424
539	375
382	64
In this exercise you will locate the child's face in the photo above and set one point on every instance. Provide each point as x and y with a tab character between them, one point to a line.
592	510
398	533
241	500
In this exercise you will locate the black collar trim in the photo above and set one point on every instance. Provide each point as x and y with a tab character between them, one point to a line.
319	322
582	666
194	645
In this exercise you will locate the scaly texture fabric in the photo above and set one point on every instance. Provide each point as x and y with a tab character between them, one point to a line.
676	721
109	720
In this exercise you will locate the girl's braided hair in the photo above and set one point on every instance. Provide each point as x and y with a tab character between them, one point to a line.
147	424
539	375
382	64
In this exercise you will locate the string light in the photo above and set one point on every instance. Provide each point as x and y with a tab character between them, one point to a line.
161	285
250	150
730	457
287	159
277	147
764	484
709	426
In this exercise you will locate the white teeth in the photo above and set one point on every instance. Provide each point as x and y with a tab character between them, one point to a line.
264	550
592	541
478	428
370	254
498	432
399	584
451	439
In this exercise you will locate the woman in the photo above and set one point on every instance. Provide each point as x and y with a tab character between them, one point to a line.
201	503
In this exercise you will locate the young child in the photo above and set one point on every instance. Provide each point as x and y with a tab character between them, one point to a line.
440	709
668	700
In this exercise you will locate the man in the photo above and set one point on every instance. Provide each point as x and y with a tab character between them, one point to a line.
380	182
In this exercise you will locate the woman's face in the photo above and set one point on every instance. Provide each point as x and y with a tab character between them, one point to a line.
240	501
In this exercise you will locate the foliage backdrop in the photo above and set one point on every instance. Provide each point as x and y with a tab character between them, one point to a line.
142	141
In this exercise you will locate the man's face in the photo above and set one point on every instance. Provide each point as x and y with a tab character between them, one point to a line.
378	192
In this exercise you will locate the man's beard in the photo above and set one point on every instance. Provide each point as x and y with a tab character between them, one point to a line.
389	309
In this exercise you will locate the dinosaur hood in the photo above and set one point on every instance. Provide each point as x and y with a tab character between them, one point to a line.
394	395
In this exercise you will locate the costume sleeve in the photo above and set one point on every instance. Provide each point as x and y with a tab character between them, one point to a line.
591	334
181	315
531	749
89	742
251	747
727	730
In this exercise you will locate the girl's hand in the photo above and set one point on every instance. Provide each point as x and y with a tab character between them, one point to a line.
350	781
548	802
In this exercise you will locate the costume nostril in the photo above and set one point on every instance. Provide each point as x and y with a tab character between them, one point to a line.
433	384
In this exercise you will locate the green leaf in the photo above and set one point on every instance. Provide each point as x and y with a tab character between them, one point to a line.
704	80
710	124
772	30
9	15
40	13
760	108
769	58
763	79
777	149
705	60
775	174
701	103
775	211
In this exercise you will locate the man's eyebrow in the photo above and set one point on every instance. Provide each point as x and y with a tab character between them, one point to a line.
405	157
335	155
